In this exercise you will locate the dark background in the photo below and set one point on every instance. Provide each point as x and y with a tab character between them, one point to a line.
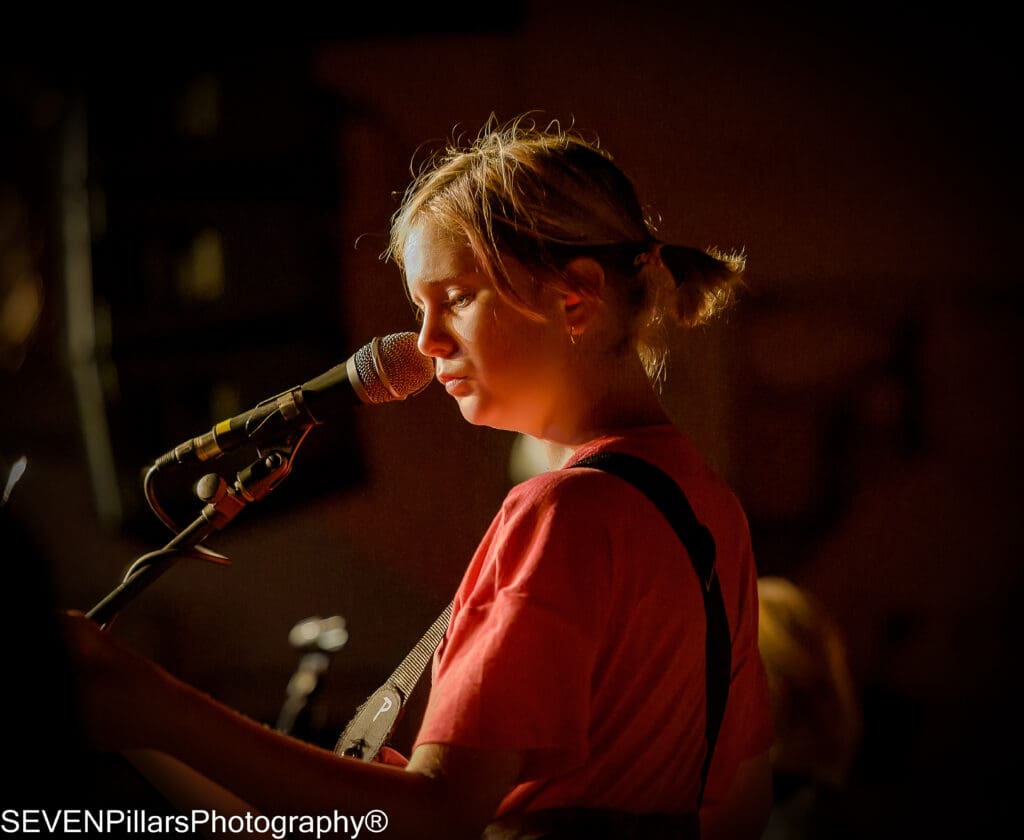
204	215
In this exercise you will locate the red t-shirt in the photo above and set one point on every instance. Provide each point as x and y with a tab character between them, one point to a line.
577	638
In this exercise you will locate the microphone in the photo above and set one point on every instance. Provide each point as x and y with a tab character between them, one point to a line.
386	369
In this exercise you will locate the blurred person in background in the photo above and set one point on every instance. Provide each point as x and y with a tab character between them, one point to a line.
818	722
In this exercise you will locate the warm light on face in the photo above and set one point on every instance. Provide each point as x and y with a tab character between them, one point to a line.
505	369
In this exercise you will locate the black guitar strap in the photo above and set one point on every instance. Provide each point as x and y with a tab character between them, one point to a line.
669	498
376	719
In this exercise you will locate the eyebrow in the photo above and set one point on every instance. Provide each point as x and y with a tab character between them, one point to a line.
427	284
435	282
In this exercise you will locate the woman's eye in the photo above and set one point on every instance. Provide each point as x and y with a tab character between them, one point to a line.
459	300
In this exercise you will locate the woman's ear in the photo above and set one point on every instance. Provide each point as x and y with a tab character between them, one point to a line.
585	280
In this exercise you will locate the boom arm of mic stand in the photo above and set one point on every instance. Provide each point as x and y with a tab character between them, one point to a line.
252	484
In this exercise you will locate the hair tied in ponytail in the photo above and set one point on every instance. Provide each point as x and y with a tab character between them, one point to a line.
651	257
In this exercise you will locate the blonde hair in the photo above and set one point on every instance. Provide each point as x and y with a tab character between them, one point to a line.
817	717
547	195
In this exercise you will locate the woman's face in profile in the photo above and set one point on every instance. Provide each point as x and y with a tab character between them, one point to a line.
503	368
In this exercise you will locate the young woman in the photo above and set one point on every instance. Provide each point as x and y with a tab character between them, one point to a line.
568	696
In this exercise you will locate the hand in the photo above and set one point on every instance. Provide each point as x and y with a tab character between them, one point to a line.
120	693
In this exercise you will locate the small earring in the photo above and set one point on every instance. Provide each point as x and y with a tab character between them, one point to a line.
572	336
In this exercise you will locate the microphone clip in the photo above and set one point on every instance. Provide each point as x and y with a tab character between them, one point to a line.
222	505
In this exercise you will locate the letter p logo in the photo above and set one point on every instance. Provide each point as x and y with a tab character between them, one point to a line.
384	707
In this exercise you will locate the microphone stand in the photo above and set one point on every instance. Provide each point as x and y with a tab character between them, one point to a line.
316	638
223	504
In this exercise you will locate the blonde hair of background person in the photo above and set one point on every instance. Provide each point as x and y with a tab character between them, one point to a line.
543	293
817	717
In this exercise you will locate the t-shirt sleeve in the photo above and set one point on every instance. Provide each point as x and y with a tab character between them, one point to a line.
515	669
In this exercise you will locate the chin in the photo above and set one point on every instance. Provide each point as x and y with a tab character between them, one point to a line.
479	415
471	413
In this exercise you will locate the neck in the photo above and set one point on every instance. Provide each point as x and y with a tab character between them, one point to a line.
608	398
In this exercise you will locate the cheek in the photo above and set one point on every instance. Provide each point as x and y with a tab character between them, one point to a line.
477	333
532	361
514	352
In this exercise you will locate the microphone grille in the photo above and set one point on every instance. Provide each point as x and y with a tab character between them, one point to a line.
392	368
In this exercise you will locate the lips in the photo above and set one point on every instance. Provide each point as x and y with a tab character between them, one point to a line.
453	383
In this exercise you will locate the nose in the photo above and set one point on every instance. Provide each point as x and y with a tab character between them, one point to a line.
434	339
